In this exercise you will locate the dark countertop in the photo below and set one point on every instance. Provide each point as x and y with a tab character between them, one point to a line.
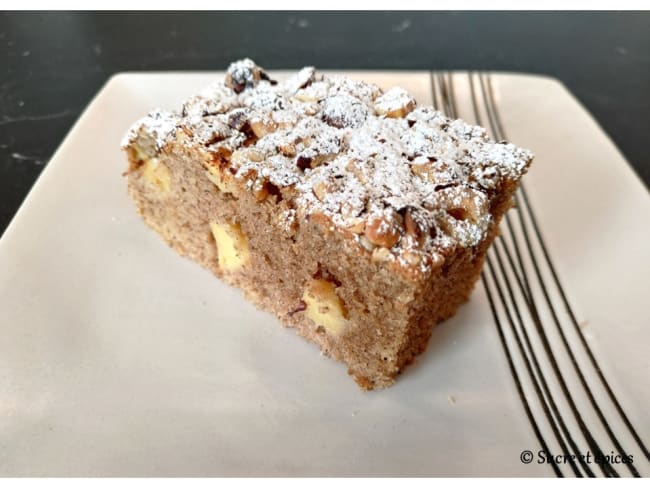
53	64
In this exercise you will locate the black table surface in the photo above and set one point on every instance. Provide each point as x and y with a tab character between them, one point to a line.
51	64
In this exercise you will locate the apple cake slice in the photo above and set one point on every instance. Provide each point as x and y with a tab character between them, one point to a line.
354	215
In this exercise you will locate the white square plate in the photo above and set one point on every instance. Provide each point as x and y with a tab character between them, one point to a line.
119	358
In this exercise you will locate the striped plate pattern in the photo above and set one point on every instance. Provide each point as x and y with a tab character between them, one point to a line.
529	305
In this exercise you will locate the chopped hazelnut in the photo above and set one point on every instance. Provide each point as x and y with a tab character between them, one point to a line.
366	244
411	226
305	96
244	74
382	231
357	225
288	150
412	258
261	128
303	162
320	189
260	191
355	168
462	203
381	254
395	103
245	155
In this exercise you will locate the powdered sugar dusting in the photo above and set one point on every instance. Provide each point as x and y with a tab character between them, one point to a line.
351	153
157	127
395	99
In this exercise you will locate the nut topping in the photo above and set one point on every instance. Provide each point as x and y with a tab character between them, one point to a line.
244	74
344	111
386	173
320	190
395	103
381	254
357	225
287	149
245	155
303	162
411	226
382	231
366	244
262	127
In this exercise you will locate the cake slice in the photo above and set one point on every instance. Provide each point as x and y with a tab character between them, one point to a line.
354	215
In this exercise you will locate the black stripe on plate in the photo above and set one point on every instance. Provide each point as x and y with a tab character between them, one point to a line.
500	329
538	377
606	468
486	86
538	370
515	377
578	330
